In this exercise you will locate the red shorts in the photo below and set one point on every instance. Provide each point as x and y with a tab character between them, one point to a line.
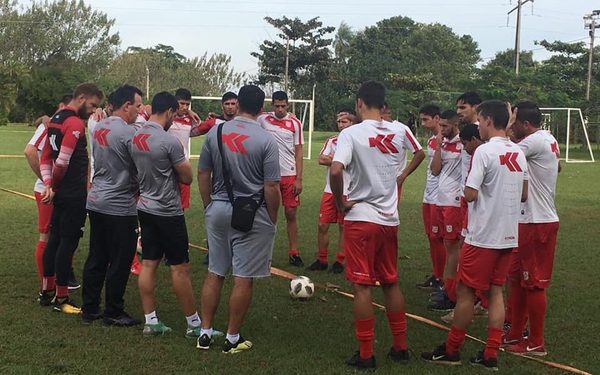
328	212
514	269
537	244
185	195
479	268
44	214
464	213
371	253
431	221
288	198
450	222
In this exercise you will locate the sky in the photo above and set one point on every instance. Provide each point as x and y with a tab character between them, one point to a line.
237	28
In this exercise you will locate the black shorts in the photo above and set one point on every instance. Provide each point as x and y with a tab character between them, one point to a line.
164	236
68	217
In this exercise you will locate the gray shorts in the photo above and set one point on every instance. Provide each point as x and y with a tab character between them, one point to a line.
244	254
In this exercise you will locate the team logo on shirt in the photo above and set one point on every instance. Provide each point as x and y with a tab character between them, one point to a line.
235	142
510	160
554	148
141	142
76	133
100	136
384	143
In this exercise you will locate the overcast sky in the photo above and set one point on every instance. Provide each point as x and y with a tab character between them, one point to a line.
237	28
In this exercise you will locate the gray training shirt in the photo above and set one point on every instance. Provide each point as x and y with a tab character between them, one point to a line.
114	185
156	153
252	158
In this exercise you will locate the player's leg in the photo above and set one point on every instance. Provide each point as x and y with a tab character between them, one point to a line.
437	250
44	215
327	215
49	257
96	264
340	256
291	202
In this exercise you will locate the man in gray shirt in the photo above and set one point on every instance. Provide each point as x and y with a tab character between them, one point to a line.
252	159
162	165
112	212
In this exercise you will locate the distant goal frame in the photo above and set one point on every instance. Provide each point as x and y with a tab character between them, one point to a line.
568	133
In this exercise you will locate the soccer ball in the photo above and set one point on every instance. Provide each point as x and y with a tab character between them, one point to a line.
301	287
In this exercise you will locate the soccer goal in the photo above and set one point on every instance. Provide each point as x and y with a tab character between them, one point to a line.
304	109
570	130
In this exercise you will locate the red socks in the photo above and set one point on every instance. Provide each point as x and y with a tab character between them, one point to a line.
62	291
456	337
322	254
492	344
365	333
437	251
536	306
293	252
517	300
450	285
397	323
340	256
39	257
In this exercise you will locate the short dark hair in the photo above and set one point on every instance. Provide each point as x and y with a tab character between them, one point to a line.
496	110
430	110
251	99
372	93
163	101
122	95
280	95
183	94
470	97
228	96
88	90
66	99
469	131
449	114
347	110
529	111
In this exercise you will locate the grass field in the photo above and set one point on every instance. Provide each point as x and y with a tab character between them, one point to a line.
290	336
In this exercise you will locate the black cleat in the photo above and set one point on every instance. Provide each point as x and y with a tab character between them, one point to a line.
432	283
45	298
317	266
361	364
489	363
296	261
122	320
337	267
439	355
89	318
400	356
444	305
204	342
240	346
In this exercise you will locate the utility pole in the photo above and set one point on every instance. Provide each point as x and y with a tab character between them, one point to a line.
147	83
520	4
287	64
590	23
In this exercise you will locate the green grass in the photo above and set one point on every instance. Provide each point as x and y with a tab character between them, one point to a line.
290	337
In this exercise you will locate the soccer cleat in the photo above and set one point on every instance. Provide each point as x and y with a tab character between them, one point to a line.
65	305
122	320
488	363
45	298
506	328
360	363
240	346
192	332
400	356
73	284
88	318
204	342
296	261
442	306
155	329
448	317
430	284
337	267
525	348
439	355
317	266
438	295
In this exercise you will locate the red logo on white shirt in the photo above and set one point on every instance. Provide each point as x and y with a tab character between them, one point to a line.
510	160
554	148
384	143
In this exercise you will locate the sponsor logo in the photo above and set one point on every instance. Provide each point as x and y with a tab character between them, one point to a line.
437	357
100	137
235	142
554	148
510	161
384	143
76	133
141	142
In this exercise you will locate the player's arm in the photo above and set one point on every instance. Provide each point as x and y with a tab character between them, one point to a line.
436	161
417	159
525	191
41	120
73	130
470	194
559	167
205	185
299	156
184	172
203	127
272	199
326	156
33	160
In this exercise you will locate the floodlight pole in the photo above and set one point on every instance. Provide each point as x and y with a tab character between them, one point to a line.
520	4
590	21
287	65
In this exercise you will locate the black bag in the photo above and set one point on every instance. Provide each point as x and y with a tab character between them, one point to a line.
244	208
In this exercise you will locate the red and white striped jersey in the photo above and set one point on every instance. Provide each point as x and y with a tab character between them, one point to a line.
288	134
450	178
38	140
431	184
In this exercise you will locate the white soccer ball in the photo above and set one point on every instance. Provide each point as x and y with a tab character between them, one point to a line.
301	287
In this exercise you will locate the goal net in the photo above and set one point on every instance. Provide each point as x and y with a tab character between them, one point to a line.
303	109
569	128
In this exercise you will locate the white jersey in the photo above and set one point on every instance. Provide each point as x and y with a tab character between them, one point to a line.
430	195
38	140
542	154
91	125
371	153
410	144
329	148
449	182
180	129
288	134
465	166
497	172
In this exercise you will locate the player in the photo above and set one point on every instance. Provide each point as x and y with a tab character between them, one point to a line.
287	131
538	229
446	164
229	105
64	168
430	120
328	212
251	158
494	188
111	205
371	154
162	164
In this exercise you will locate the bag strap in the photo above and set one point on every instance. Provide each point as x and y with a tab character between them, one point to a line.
226	180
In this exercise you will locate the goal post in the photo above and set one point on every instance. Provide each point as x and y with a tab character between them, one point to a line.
569	128
305	113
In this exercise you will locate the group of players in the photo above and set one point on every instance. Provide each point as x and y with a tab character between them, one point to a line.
488	209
